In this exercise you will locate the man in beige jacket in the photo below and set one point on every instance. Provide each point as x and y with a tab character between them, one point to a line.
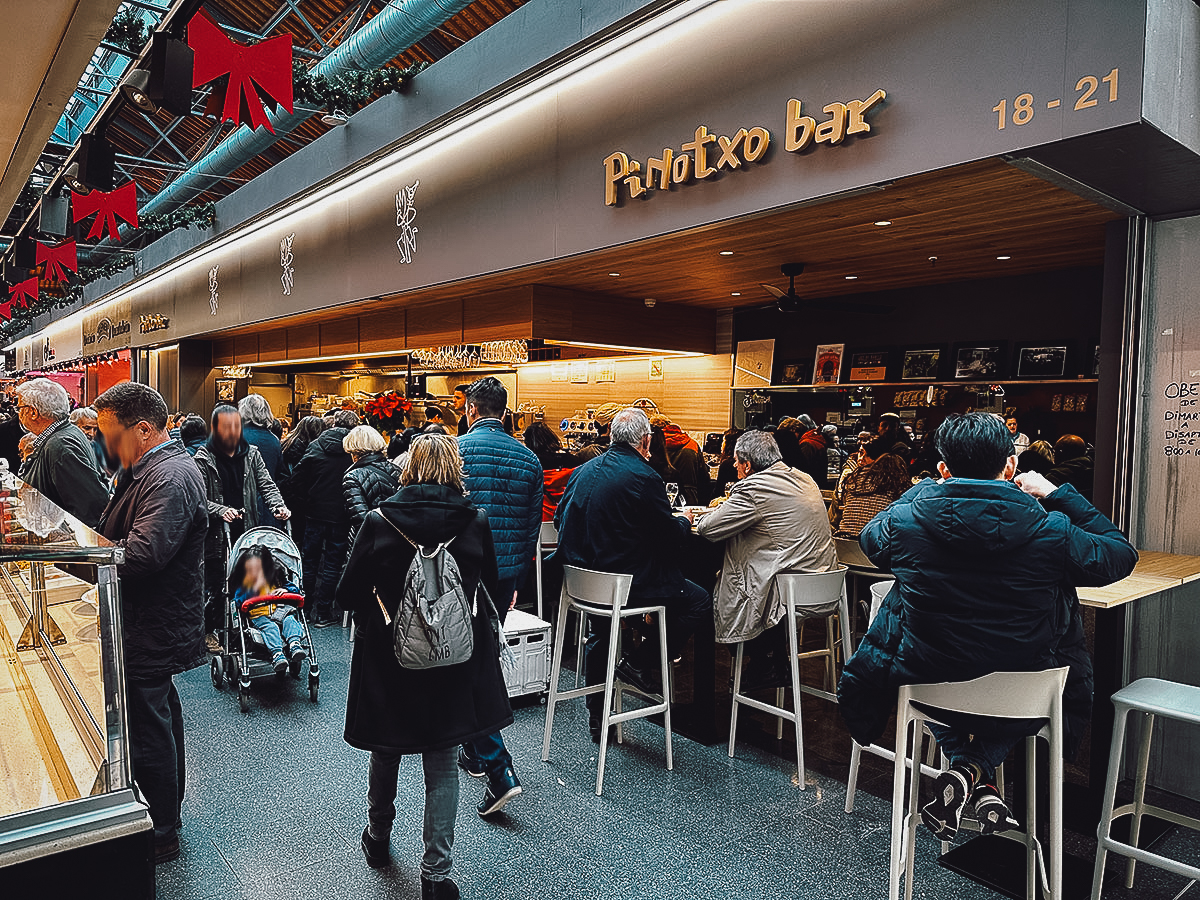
774	521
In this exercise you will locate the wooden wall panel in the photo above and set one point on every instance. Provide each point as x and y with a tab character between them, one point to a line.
339	337
304	342
223	352
245	349
434	324
381	332
601	319
272	345
498	316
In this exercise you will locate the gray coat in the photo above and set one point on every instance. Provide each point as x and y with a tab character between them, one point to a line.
256	483
774	521
64	469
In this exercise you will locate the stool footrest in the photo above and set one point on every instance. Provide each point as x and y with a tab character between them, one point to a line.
765	707
1159	813
1160	862
643	712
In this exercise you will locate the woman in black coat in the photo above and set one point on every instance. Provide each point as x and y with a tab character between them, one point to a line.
392	711
371	478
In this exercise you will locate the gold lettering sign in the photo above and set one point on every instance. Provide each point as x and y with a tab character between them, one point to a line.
706	154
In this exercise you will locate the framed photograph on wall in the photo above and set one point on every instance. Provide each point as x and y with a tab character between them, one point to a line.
1042	361
979	361
793	372
869	366
226	390
828	366
921	365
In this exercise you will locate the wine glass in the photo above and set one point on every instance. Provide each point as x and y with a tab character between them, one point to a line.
673	493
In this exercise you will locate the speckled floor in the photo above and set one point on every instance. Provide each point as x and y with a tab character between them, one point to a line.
276	803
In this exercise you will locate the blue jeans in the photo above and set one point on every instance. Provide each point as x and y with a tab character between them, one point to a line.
986	742
325	546
276	634
441	805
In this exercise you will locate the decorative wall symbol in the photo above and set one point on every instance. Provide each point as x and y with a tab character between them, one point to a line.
213	293
288	277
406	214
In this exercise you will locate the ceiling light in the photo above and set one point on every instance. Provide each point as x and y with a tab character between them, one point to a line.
851	277
735	294
335	118
614	274
1003	257
71	177
883	222
134	85
726	253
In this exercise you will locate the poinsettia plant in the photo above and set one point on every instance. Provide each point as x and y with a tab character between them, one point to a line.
389	410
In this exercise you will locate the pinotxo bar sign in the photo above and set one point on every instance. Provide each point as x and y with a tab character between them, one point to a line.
706	154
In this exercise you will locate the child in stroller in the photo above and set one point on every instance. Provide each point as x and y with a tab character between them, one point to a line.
277	623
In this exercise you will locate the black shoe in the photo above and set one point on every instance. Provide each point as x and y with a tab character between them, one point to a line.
378	853
469	764
640	679
594	727
166	849
439	890
501	789
943	814
992	812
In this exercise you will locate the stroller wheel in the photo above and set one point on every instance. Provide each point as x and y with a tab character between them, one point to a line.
244	700
233	669
217	670
313	684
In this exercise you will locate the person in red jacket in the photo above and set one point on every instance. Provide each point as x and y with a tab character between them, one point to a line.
557	464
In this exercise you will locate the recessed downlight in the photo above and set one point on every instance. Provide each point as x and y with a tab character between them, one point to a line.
852	278
1003	257
735	293
883	222
614	274
726	253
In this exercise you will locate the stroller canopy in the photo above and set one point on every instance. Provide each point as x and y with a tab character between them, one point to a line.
283	551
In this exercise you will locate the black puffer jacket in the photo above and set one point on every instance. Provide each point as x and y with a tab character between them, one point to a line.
316	482
368	483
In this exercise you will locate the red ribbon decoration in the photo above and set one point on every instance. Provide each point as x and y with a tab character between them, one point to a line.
267	65
120	203
6	311
24	292
58	259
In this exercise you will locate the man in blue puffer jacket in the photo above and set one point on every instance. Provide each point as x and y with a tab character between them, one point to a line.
986	571
505	479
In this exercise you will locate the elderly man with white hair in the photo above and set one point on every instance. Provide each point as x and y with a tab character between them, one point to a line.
61	463
614	517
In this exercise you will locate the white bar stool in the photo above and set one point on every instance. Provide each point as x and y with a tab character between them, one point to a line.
810	595
1009	695
1151	697
606	595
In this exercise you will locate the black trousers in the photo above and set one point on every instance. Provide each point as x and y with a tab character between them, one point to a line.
156	749
685	611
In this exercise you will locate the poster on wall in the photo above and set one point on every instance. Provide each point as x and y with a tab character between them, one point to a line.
606	371
1041	362
921	365
828	367
752	364
870	366
559	372
226	390
578	372
979	362
656	369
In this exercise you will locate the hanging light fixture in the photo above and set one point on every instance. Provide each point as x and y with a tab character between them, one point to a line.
71	177
134	85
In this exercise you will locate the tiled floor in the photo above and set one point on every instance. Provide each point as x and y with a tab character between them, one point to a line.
275	806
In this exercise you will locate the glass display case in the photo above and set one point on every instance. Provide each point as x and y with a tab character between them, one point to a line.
67	785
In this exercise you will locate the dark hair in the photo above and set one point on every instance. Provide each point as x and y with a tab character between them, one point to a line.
877	448
727	441
434	428
222	409
131	403
489	395
461	388
974	445
305	432
274	574
541	439
192	427
659	461
345	418
277	428
887	475
401	441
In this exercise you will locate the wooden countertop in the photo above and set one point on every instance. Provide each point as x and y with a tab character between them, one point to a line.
1155	572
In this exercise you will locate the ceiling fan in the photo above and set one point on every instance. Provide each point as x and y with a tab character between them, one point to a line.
788	301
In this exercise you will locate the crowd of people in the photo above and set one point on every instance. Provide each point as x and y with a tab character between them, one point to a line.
962	521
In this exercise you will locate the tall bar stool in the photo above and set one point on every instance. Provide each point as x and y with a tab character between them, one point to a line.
850	554
606	595
1009	695
1151	697
813	594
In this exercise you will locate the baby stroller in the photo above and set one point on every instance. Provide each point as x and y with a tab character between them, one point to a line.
244	654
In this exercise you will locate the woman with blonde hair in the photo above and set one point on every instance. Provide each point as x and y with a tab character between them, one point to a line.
392	711
371	478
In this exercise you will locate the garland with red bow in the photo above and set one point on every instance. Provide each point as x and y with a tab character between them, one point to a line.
107	206
58	259
266	66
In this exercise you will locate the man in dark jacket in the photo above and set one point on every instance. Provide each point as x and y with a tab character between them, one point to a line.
814	453
986	571
62	464
158	515
317	484
237	484
1073	465
614	517
505	479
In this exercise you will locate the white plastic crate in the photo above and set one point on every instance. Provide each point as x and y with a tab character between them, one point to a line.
529	640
